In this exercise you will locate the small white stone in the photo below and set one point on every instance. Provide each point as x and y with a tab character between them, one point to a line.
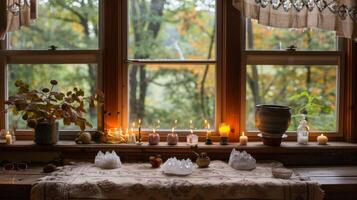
107	160
241	160
178	167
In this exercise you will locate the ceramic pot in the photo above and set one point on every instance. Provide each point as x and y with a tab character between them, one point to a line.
46	133
272	119
203	160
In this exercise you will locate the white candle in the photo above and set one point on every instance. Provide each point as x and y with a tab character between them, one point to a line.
8	138
243	140
322	139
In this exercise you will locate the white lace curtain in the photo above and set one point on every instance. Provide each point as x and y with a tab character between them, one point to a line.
336	15
16	13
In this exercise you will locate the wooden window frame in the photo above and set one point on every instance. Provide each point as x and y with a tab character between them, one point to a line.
111	64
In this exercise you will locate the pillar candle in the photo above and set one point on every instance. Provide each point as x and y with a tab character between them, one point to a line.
322	139
243	140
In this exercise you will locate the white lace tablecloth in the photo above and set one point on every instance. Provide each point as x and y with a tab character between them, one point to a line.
140	181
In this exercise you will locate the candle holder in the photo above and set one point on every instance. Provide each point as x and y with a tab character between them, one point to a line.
172	139
224	141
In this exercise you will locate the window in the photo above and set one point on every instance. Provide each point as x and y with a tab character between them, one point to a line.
72	27
305	79
66	24
172	62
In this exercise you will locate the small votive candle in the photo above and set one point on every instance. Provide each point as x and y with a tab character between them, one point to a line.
322	139
132	139
172	138
243	140
192	139
154	138
8	138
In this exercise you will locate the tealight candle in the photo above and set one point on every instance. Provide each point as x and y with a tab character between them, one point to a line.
154	138
172	138
8	138
243	140
322	139
192	139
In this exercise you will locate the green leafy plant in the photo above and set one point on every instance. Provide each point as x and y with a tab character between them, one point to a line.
48	105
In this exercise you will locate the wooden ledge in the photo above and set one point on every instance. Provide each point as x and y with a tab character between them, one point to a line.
290	153
70	146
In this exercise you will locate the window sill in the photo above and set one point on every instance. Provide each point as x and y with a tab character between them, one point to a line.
290	153
65	145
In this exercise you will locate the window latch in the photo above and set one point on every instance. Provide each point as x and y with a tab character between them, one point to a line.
52	48
291	48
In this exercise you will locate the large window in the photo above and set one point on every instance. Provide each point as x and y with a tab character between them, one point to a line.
72	29
304	78
172	62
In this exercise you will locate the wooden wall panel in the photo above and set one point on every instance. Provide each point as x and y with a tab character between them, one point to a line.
350	103
111	62
232	55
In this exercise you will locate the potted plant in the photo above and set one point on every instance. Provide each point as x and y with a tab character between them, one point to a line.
42	109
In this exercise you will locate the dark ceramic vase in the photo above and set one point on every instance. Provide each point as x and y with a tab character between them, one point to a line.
46	133
272	119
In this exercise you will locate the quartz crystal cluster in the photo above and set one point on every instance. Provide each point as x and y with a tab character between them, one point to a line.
241	160
178	167
109	160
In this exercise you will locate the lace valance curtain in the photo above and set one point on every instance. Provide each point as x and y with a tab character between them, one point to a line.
337	15
16	13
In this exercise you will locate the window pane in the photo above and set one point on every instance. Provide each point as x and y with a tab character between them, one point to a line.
172	29
82	76
307	89
70	24
169	93
260	37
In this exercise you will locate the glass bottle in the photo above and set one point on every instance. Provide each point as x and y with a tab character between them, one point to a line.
303	131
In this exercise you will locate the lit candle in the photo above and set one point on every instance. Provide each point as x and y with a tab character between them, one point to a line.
172	138
154	138
127	135
322	139
243	140
8	138
139	131
208	135
224	130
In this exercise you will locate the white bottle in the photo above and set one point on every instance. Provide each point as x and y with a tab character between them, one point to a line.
303	131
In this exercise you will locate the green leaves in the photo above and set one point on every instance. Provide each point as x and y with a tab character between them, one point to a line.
49	105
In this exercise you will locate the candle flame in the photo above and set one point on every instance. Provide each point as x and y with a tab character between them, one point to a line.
243	133
173	130
208	126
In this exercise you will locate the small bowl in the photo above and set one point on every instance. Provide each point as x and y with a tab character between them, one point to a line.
281	173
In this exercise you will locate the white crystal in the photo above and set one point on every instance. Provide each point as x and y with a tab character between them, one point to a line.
178	167
241	160
107	160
